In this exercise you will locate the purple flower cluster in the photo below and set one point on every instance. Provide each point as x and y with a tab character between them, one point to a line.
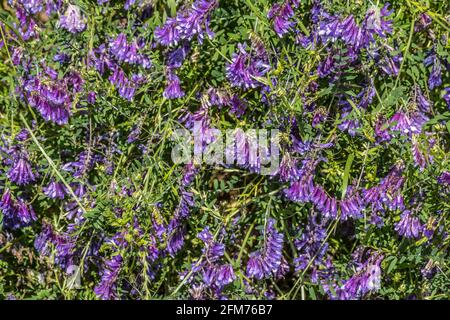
304	190
55	190
215	275
123	51
120	51
173	89
312	247
408	226
246	67
16	214
332	28
72	20
106	289
53	97
21	172
366	279
176	229
327	98
64	246
281	15
435	78
190	22
269	260
446	96
387	194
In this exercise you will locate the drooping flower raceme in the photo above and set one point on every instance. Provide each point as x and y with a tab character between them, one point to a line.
268	260
188	23
72	20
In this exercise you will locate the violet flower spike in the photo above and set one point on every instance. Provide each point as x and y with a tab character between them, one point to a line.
72	20
408	226
173	89
21	172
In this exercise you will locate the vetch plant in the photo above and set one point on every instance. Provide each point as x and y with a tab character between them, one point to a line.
224	149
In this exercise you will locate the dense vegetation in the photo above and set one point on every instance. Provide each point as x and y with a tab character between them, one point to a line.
93	205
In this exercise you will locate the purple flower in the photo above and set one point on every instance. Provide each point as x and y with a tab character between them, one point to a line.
190	171
391	65
213	250
44	239
176	228
205	235
126	87
351	33
288	170
376	22
422	102
267	261
435	78
303	189
128	52
408	226
382	130
238	106
348	123
72	20
106	289
446	96
74	81
281	15
21	172
176	57
311	244
366	96
407	123
324	203
423	22
61	57
366	279
352	206
195	21
64	244
134	134
128	4
16	55
244	68
16	214
186	202
388	192
23	135
52	98
188	23
444	178
177	233
418	156
173	89
6	202
214	274
325	67
329	29
168	34
86	161
27	25
55	190
25	212
225	275
91	97
32	6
